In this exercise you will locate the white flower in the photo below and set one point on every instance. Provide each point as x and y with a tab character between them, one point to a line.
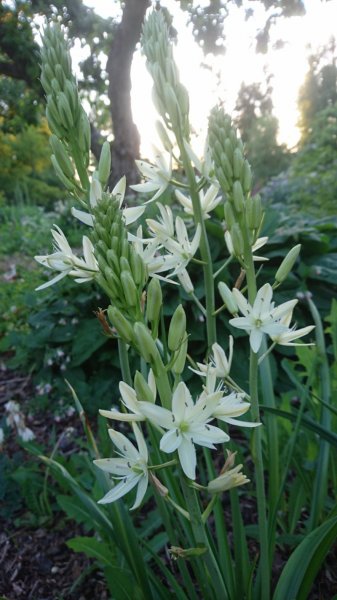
232	406
227	481
66	262
219	364
187	425
26	434
130	214
130	468
205	164
131	402
158	176
258	244
174	238
208	201
261	318
286	338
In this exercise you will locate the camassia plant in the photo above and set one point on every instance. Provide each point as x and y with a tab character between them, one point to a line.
165	443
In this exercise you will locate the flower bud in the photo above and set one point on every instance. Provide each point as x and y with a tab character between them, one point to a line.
246	177
228	298
104	164
224	184
129	289
65	111
287	264
237	240
164	138
237	163
59	172
226	165
84	138
254	212
227	481
180	357
145	343
121	324
229	215
154	301
62	156
142	388
177	328
238	197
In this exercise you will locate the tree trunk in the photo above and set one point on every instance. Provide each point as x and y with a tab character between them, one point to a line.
125	147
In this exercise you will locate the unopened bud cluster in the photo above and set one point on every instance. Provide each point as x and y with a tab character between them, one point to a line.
122	270
235	178
66	117
169	95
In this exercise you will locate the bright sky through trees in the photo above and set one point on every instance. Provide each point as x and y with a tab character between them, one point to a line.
210	78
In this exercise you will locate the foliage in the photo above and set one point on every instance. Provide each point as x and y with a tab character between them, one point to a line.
26	176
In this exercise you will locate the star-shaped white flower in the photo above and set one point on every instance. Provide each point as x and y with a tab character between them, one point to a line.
208	201
158	176
66	262
286	338
231	406
261	318
219	364
130	214
187	424
130	468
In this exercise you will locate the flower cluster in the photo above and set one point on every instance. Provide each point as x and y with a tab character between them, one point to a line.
16	420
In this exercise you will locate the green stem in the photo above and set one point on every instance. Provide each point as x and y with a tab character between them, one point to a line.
204	246
215	580
255	412
321	478
272	438
124	362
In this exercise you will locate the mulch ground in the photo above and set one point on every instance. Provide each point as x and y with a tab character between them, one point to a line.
36	563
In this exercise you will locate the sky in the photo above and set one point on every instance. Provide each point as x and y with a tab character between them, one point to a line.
225	73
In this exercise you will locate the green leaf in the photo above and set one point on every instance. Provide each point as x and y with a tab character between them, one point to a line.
88	339
92	548
75	511
301	569
121	584
305	422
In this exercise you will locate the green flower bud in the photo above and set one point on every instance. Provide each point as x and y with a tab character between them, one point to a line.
70	91
180	358
138	268
121	324
113	261
65	110
129	289
254	212
59	74
246	177
104	165
229	215
227	168
62	156
145	343
59	172
113	282
142	388
237	163
228	146
287	264
238	197
224	184
125	265
228	298
84	139
154	301
237	240
177	328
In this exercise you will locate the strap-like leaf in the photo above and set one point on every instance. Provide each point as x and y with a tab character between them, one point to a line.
301	569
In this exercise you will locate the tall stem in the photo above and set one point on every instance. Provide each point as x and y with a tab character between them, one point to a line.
204	248
255	412
201	539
